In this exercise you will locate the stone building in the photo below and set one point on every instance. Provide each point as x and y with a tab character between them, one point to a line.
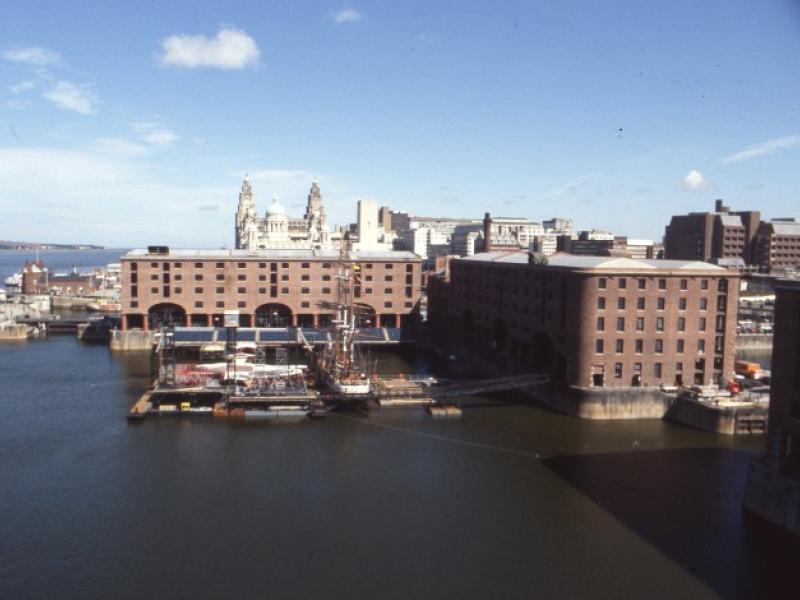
276	229
270	288
591	322
773	482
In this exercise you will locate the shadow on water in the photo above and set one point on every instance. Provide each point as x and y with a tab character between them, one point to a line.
664	496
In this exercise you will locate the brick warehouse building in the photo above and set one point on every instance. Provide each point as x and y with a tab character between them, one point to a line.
270	288
590	321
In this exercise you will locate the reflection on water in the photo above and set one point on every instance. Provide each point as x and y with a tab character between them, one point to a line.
511	501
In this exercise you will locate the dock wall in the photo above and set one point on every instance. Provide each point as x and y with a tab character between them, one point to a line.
754	341
131	340
14	333
772	496
605	403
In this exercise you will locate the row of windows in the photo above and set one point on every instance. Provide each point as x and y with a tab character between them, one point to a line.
262	265
661	303
680	324
641	283
243	290
658	346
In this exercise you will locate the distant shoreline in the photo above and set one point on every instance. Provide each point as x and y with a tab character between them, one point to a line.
49	247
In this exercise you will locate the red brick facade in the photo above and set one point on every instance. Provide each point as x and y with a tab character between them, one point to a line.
591	321
268	287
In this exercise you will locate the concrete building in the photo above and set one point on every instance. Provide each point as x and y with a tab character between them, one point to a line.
276	229
773	482
722	234
592	322
268	287
777	245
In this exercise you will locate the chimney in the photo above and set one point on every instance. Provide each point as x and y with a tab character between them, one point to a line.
487	232
719	207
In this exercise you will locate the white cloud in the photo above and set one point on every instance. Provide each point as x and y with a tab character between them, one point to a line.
229	49
695	180
22	86
765	148
154	133
346	15
571	187
277	175
17	104
71	96
120	146
40	57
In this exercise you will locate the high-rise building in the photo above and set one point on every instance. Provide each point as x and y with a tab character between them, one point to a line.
722	234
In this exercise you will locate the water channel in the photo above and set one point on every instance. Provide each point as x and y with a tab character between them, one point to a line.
510	501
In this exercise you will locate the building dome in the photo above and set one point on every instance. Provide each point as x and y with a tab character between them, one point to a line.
276	209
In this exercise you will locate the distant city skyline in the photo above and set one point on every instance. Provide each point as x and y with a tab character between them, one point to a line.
127	125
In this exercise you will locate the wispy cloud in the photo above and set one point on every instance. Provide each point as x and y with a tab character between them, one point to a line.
120	146
276	175
22	86
695	180
72	96
38	57
765	148
154	133
571	187
229	49
346	15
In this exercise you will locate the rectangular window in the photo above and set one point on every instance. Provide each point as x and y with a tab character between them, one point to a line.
304	305
598	346
662	284
660	324
389	266
619	346
218	265
198	265
220	277
387	305
284	265
657	370
262	290
659	346
220	304
198	304
134	267
679	347
305	277
681	303
723	286
154	290
178	277
701	346
220	290
263	277
326	265
623	283
134	291
621	303
326	278
284	290
387	290
684	284
305	265
198	277
704	284
305	290
639	346
618	370
241	290
681	324
661	303
262	265
620	323
640	324
241	277
703	303
388	278
640	303
601	283
241	265
241	304
326	290
198	290
154	277
701	324
721	301
601	324
601	303
642	283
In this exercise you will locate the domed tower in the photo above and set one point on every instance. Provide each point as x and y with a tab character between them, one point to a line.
276	223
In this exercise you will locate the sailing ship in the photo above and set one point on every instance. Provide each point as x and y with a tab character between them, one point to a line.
342	366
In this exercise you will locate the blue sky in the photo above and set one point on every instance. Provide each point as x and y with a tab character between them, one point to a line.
133	123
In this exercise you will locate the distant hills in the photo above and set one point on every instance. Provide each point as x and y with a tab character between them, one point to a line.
8	245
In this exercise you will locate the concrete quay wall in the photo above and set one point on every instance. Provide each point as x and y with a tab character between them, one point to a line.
772	496
15	333
131	340
754	341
